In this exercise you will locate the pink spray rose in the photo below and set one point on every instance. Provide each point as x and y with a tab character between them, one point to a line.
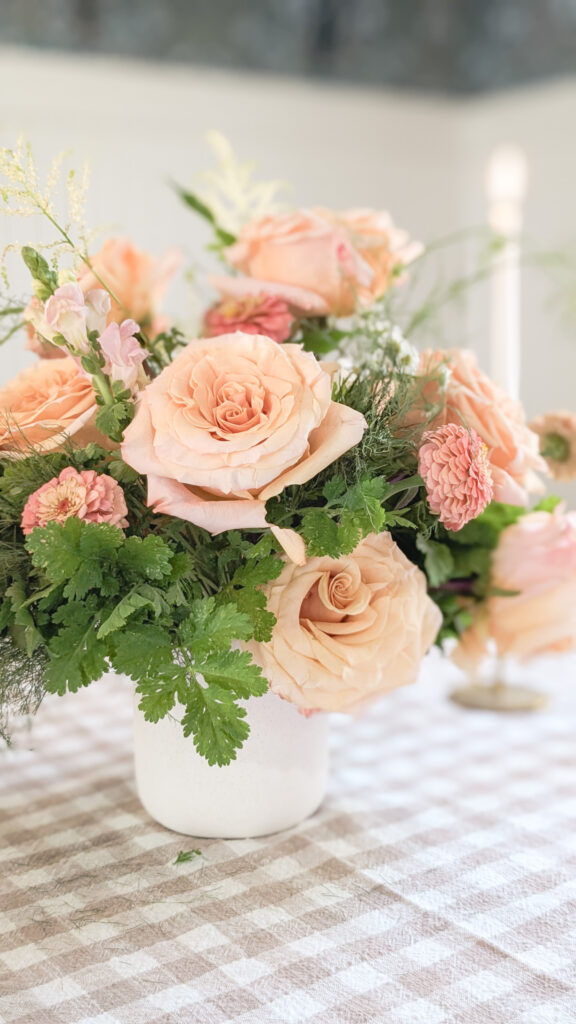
124	354
95	497
232	422
475	402
253	314
347	629
453	463
536	562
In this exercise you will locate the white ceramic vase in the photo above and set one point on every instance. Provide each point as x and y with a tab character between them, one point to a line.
278	778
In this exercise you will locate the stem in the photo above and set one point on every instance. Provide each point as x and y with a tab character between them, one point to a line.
83	256
100	385
86	259
404	485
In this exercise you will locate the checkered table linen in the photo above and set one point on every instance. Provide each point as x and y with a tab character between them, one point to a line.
436	884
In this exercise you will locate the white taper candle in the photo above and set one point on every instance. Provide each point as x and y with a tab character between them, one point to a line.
506	183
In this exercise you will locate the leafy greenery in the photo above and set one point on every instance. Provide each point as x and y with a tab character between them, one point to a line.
21	684
159	605
45	277
184	856
458	565
223	238
162	348
375	485
318	336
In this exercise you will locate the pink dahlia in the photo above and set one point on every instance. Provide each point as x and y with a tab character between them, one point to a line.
88	495
252	314
453	462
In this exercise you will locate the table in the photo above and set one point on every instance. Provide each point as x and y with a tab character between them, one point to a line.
436	884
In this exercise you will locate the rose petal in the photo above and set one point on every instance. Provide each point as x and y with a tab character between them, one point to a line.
299	299
341	429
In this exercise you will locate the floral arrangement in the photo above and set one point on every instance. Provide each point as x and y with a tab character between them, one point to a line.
529	607
283	501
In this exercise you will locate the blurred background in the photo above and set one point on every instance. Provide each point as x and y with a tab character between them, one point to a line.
370	102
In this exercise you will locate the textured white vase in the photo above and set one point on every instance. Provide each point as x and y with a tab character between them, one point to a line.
278	778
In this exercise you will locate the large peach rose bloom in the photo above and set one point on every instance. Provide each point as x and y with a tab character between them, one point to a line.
303	257
319	261
231	423
136	278
476	402
536	562
385	247
45	403
347	629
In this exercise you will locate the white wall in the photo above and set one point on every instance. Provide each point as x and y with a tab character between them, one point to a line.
140	124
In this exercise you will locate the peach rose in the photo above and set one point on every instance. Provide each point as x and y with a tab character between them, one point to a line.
232	422
306	252
386	248
557	434
137	280
476	402
347	629
536	558
48	400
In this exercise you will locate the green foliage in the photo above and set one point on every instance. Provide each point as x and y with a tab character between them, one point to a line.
456	615
46	279
112	420
87	597
21	684
141	649
223	238
210	627
485	531
184	856
217	723
548	504
77	656
318	337
374	486
147	557
203	675
458	565
162	348
438	560
78	554
350	512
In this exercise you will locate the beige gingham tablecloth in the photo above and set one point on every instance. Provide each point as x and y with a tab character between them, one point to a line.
437	883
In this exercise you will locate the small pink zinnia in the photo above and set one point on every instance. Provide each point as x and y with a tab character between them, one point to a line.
88	495
453	462
253	314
